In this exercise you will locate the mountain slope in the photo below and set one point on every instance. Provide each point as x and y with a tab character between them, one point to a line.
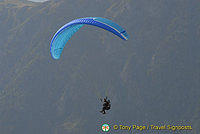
153	76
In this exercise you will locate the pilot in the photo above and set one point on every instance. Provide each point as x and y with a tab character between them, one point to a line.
106	105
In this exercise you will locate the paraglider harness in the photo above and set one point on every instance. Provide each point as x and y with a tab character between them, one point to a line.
106	105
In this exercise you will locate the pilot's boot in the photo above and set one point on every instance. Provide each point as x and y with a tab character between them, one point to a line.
103	111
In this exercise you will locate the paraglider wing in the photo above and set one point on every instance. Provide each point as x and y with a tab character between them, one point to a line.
66	32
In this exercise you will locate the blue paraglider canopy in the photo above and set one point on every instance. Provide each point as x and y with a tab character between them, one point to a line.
61	37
